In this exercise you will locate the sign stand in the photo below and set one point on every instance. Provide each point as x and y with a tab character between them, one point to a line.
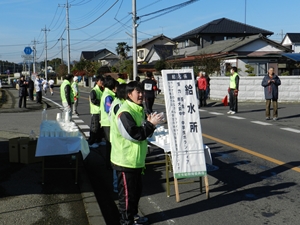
186	159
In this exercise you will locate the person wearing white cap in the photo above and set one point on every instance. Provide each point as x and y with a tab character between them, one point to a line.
75	90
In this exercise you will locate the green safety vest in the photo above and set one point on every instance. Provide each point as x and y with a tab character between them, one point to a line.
95	109
104	115
121	81
232	84
75	84
62	91
124	152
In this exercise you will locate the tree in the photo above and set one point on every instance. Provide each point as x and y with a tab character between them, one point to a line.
62	70
249	70
160	65
209	65
85	67
122	49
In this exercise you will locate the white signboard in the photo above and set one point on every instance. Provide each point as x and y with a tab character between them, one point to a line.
184	126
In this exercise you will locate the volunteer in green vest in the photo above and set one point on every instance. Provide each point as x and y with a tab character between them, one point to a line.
75	90
109	93
118	101
96	133
129	132
66	95
120	79
233	91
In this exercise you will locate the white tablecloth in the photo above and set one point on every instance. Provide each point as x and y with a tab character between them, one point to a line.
50	146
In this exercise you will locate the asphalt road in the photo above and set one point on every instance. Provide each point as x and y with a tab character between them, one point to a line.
256	180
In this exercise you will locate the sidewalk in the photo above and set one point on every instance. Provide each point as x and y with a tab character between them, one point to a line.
24	200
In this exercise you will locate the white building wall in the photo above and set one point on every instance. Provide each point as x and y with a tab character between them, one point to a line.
251	90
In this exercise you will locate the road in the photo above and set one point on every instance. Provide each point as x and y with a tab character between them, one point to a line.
257	180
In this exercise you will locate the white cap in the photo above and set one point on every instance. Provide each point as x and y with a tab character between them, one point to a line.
75	78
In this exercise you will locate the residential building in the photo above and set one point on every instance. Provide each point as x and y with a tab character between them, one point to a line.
292	41
144	47
216	30
106	57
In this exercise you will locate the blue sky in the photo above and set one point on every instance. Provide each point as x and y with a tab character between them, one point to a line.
22	22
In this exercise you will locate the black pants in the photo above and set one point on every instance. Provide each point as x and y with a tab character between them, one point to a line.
130	190
101	180
21	98
233	101
106	131
149	104
96	132
202	98
30	93
39	97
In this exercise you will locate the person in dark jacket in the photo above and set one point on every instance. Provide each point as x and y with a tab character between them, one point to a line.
270	83
150	87
22	91
30	88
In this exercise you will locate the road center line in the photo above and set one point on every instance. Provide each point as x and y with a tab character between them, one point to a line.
237	117
278	162
216	113
261	123
291	130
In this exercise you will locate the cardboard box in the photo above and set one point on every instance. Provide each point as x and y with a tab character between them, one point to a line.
27	152
14	148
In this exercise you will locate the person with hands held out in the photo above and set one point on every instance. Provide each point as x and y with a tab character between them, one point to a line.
129	132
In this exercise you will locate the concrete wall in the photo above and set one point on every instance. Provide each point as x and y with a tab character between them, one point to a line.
251	90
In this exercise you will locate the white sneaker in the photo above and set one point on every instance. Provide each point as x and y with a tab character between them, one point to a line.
232	112
229	112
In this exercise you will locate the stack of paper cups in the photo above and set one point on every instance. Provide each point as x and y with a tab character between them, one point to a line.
58	117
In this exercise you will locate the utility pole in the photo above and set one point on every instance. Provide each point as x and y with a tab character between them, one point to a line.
68	34
46	66
134	39
61	50
34	55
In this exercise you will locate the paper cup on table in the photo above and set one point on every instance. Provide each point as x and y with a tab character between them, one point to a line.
58	117
52	133
46	133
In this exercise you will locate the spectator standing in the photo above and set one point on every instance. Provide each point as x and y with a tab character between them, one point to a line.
45	86
22	91
108	96
75	90
30	88
66	95
130	130
202	85
38	85
96	132
233	91
207	93
51	86
149	86
270	83
120	79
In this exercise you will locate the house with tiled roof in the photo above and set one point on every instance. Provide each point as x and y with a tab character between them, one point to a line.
292	41
144	47
159	52
256	50
216	30
106	57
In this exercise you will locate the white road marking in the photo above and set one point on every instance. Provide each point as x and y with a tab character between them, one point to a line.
87	134
202	110
216	113
237	117
261	123
291	130
78	121
83	126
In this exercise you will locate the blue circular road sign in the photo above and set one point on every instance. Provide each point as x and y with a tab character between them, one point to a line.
27	50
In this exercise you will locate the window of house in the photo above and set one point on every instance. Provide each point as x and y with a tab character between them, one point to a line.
200	41
259	68
141	54
186	43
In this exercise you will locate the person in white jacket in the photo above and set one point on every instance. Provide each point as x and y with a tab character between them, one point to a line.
38	85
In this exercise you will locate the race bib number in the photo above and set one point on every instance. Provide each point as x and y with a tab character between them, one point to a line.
148	87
